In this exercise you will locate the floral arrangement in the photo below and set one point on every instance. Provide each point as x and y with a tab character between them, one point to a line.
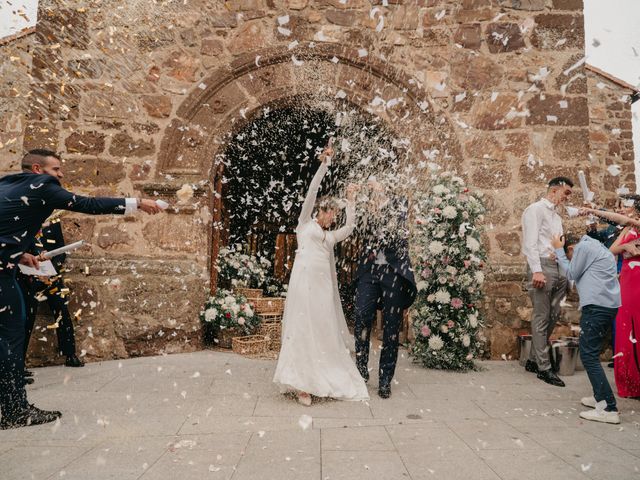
238	269
448	259
227	310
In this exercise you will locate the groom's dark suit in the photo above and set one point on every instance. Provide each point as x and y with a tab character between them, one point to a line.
384	280
26	201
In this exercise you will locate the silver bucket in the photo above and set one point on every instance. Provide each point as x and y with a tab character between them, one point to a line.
524	341
576	340
564	356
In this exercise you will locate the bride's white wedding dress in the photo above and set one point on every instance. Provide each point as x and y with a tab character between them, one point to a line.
314	356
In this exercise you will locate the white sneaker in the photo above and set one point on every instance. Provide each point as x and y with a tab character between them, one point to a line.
601	416
588	402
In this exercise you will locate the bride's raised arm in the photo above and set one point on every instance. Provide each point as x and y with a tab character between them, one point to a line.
350	223
314	186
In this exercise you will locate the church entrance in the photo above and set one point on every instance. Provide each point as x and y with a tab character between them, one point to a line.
266	169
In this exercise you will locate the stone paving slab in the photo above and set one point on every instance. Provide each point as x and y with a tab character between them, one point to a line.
217	415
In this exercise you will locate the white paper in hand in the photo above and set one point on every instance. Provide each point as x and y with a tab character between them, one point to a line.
46	269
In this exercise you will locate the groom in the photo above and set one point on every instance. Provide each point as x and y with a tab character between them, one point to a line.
384	280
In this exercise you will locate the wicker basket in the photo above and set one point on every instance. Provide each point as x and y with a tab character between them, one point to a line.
250	345
271	327
248	292
267	304
225	336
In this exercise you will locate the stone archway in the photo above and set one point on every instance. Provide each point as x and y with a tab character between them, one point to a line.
228	98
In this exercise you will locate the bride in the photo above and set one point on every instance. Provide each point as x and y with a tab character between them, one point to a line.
314	358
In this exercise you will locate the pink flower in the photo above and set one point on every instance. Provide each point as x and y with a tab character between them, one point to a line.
426	273
240	321
467	263
456	302
437	210
425	331
450	324
446	260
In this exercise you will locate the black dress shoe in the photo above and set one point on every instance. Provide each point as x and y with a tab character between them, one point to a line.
29	416
28	380
384	391
551	378
364	371
73	361
28	373
531	366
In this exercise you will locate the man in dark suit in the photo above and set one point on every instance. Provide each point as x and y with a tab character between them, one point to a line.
384	280
55	292
27	199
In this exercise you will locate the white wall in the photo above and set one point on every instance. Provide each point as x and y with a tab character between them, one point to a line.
17	15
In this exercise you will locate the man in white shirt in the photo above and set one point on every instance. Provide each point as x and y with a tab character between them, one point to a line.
546	282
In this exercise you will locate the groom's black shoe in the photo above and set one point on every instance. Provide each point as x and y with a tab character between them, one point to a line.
551	378
531	366
364	371
384	391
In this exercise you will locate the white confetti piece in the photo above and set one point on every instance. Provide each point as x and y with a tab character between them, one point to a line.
614	170
305	421
362	52
296	62
585	468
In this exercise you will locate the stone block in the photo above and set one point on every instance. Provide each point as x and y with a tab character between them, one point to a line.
504	289
50	101
344	18
469	36
504	37
249	37
435	37
568	5
474	72
65	26
404	17
78	228
296	4
498	114
491	176
486	147
503	340
222	20
92	172
176	233
575	81
211	46
509	243
245	5
40	135
157	106
541	174
556	110
123	145
558	32
529	5
85	142
571	146
517	144
145	128
114	236
181	65
85	68
46	66
107	103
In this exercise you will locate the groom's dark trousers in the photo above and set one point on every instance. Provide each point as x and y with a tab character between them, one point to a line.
380	286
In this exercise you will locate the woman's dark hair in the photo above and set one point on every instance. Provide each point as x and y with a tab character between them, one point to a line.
634	197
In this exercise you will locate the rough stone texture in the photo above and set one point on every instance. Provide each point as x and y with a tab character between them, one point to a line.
469	36
558	110
157	106
554	31
91	143
139	112
504	37
123	145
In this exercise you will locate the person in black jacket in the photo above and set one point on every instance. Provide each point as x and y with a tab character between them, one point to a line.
27	199
55	292
384	280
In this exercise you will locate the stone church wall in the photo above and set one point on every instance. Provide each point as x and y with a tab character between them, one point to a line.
120	92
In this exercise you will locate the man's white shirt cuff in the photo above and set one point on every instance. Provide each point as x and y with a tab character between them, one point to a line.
130	206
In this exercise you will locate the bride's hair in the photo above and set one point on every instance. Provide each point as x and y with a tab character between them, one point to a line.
326	203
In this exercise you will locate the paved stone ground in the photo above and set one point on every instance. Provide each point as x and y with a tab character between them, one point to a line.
217	415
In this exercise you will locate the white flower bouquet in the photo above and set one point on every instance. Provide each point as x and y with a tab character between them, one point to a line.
448	258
